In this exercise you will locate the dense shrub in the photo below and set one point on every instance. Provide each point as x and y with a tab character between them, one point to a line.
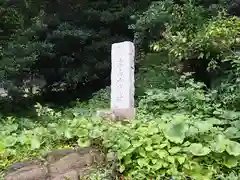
196	39
69	48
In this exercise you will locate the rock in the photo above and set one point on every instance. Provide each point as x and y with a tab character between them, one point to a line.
14	167
125	114
71	175
33	172
58	165
93	156
70	161
58	154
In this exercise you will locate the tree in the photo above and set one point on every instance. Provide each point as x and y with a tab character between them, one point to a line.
67	42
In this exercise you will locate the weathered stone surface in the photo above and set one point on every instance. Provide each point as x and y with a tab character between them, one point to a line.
94	155
71	175
122	79
33	172
14	167
58	154
60	164
127	113
79	159
73	160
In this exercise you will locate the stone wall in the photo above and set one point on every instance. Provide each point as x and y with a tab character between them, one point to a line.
61	164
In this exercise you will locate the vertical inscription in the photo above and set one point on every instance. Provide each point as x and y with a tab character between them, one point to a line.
122	76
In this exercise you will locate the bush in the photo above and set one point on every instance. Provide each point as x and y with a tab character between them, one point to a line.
203	40
70	47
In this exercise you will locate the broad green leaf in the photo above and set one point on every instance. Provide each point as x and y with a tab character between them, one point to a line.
231	132
154	161
171	159
149	148
219	145
233	148
174	150
181	159
22	139
120	155
68	133
162	153
142	152
2	146
165	164
152	129
186	144
96	133
213	121
158	165
176	132
82	132
203	126
230	161
128	151
137	144
156	138
60	129
192	131
161	146
10	141
35	143
124	144
142	130
40	130
11	128
128	159
198	150
142	162
231	115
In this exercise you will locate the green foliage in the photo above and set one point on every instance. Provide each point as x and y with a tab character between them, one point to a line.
190	136
151	22
180	133
191	31
190	97
215	38
99	174
10	21
147	78
70	46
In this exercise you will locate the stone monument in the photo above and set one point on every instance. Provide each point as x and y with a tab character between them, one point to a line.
122	82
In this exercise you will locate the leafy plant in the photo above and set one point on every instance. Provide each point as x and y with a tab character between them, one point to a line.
192	136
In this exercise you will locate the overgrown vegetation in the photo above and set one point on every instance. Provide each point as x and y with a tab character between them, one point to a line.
187	89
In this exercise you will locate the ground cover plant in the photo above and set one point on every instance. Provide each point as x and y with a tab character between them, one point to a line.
180	133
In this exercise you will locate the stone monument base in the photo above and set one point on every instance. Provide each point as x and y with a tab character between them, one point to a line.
117	114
